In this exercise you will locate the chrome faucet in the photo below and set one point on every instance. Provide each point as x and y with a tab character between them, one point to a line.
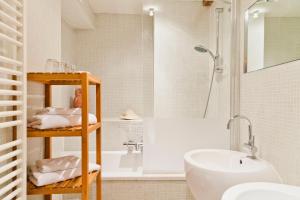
250	145
132	145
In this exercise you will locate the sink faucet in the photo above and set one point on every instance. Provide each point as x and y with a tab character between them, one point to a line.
250	145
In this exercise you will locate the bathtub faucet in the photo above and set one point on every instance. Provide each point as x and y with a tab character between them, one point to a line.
132	145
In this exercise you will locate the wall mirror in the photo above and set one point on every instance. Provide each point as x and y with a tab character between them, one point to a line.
272	34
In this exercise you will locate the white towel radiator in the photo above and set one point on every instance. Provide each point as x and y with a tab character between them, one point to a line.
12	100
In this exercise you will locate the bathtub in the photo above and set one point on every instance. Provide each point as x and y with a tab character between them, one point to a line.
122	165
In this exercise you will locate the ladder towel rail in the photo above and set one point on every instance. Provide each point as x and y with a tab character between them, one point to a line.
13	112
10	8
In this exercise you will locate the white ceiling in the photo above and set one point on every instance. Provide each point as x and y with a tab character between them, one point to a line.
117	6
77	14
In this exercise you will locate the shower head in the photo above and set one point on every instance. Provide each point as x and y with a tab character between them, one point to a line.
202	49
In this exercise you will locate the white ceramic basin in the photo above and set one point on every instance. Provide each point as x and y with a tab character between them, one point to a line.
262	191
211	172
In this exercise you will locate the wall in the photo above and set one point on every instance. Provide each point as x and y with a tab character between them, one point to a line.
44	42
68	43
270	98
44	28
120	52
181	80
113	52
181	73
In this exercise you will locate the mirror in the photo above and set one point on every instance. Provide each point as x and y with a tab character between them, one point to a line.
272	33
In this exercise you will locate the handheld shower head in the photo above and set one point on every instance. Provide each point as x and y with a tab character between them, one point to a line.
203	49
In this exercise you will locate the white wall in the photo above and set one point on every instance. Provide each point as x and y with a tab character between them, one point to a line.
113	52
119	51
44	42
181	79
270	98
44	39
68	43
180	73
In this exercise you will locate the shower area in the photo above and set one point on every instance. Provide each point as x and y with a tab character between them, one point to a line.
170	64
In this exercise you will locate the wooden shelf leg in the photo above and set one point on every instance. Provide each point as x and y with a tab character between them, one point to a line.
85	138
98	142
48	144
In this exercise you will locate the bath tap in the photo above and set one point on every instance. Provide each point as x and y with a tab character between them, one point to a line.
250	145
132	145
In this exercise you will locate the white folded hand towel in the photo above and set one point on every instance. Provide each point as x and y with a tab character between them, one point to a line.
58	164
41	179
58	121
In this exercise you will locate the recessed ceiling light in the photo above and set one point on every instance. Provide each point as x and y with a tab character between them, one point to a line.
151	12
255	14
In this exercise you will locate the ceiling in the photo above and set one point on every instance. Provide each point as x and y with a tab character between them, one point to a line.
117	6
127	6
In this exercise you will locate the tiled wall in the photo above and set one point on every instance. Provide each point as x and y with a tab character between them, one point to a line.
114	53
68	43
142	190
271	99
181	74
120	52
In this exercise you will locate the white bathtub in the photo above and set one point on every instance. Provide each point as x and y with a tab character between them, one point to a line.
121	165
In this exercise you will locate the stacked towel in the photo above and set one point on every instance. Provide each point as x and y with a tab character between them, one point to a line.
58	164
57	170
58	118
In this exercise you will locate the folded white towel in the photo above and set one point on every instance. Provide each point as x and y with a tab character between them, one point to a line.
58	164
41	179
59	111
58	121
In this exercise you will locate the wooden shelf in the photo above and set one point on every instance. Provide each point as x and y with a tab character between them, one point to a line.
62	78
64	187
61	132
80	184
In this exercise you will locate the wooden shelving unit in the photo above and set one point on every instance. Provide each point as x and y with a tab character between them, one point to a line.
80	184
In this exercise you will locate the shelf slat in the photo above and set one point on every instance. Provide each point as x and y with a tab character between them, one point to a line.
62	78
61	132
64	187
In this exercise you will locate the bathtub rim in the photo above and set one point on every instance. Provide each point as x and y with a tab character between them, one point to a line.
140	175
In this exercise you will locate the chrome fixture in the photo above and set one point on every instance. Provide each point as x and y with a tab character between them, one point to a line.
250	145
216	58
132	145
203	49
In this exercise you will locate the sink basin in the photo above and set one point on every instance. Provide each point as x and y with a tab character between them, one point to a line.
210	172
262	191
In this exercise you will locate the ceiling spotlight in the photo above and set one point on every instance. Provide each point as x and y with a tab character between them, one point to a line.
151	12
255	14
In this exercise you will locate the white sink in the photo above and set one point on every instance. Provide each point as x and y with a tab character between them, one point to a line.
210	172
262	191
